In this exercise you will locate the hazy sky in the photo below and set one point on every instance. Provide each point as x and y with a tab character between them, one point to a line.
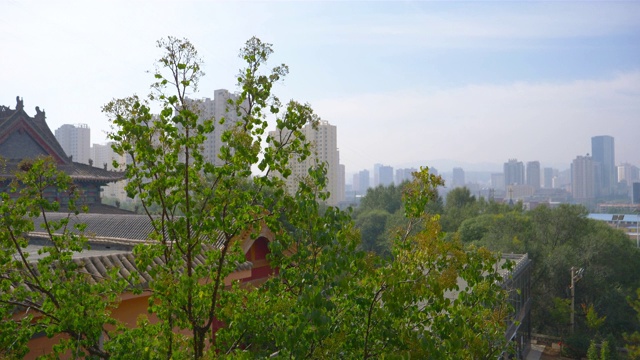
404	82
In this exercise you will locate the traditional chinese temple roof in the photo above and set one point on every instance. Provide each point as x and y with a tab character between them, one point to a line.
25	137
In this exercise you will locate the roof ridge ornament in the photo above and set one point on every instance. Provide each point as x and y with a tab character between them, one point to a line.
39	113
19	103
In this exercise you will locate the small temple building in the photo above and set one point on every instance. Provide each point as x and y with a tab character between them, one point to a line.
25	137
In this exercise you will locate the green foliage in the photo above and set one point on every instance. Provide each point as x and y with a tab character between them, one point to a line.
613	347
49	294
372	225
576	346
557	239
632	340
204	208
387	198
332	301
434	298
592	319
459	206
381	214
592	352
605	351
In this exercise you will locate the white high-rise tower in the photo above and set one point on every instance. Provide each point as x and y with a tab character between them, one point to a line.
216	109
76	141
324	142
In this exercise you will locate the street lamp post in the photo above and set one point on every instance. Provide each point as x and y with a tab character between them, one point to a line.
576	275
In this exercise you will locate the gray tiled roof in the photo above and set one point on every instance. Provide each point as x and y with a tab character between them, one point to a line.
117	228
113	237
78	172
106	227
98	267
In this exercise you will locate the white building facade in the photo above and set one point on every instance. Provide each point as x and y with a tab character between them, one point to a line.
76	141
217	109
324	140
103	156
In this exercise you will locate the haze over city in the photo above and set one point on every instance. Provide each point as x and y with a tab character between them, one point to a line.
406	83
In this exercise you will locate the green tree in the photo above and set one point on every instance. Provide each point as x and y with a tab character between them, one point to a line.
632	340
388	198
458	206
592	352
380	214
327	298
341	303
557	239
203	208
372	225
49	294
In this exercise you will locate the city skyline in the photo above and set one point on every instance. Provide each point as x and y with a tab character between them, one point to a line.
406	83
207	105
588	176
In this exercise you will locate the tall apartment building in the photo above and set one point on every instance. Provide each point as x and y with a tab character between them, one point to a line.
324	142
549	174
533	174
628	174
75	141
458	177
361	182
513	173
603	154
342	181
376	175
403	175
216	108
583	179
103	156
385	175
497	181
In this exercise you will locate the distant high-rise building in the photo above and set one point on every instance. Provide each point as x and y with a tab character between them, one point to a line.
376	174
76	141
628	173
355	184
403	175
324	140
582	179
342	183
103	156
458	177
636	193
513	173
497	181
548	178
533	174
603	154
385	175
362	179
217	108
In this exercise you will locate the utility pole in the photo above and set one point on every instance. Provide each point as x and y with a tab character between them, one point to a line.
576	275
